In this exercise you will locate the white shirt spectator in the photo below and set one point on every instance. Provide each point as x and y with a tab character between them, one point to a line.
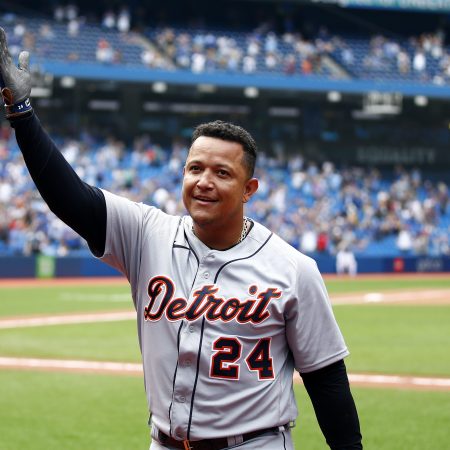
419	61
198	62
148	57
109	19
271	61
73	27
123	20
346	262
308	243
347	56
19	30
160	197
105	52
404	240
253	47
271	43
6	192
248	64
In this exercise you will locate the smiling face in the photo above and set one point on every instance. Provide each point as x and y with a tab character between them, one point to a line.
215	187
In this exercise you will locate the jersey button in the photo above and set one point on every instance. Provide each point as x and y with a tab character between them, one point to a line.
191	328
206	275
187	363
182	399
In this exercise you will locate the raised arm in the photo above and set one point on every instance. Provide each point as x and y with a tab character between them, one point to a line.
79	205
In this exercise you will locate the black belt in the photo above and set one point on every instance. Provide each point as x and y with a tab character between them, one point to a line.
209	444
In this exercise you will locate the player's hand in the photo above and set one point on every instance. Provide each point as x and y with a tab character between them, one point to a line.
15	82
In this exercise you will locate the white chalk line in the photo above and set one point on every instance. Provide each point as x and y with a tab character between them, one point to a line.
391	297
75	365
109	367
67	319
117	367
398	381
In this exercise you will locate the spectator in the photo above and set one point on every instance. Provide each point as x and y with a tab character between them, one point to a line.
73	27
109	19
405	240
198	62
104	53
322	241
59	13
289	64
347	55
46	32
248	64
71	12
309	241
419	61
307	67
346	262
123	20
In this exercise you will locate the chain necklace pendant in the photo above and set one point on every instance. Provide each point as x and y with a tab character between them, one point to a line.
245	228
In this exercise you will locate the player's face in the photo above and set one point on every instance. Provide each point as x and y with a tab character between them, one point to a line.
216	184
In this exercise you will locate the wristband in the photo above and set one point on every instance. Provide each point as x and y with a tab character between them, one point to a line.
18	109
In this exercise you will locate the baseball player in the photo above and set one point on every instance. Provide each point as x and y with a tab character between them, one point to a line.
226	310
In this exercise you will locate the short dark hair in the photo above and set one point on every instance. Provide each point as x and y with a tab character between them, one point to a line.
233	133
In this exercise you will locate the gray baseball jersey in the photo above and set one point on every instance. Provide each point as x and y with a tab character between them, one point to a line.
220	331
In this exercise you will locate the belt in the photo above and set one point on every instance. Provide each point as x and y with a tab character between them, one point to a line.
209	444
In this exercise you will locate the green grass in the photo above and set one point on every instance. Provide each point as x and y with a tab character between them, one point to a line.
397	339
63	299
66	299
53	411
102	341
350	285
381	338
49	410
390	420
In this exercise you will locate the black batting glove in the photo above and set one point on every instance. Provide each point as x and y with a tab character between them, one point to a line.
15	82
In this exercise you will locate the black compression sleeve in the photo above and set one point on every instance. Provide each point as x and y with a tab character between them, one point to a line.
76	203
333	404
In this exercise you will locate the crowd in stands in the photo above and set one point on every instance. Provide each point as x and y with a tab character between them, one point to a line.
260	51
423	57
318	208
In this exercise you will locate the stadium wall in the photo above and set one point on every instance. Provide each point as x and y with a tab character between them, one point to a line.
92	71
49	267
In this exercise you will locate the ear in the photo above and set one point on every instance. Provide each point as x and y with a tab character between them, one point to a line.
251	186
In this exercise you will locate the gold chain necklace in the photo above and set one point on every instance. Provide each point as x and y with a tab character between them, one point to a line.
245	228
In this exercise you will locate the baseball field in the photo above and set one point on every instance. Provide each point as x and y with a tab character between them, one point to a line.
70	376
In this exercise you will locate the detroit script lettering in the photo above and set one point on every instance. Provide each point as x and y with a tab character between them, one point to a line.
206	303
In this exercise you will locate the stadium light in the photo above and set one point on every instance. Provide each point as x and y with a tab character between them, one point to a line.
41	92
421	100
103	105
251	92
334	96
67	82
206	88
159	87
